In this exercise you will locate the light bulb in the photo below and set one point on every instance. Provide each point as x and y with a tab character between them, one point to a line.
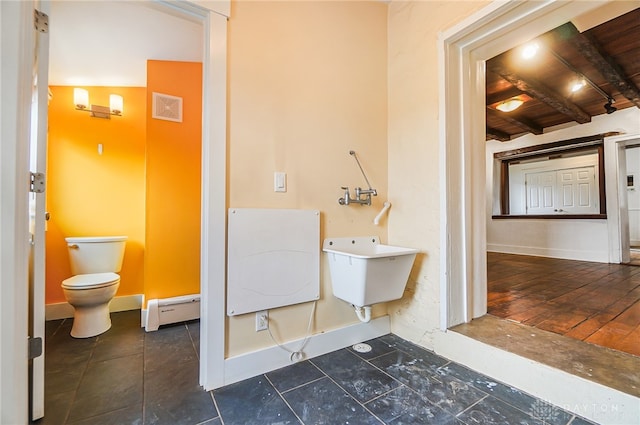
530	50
116	104
80	98
577	85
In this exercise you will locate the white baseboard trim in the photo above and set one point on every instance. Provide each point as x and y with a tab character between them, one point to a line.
268	359
144	313
566	254
65	310
582	397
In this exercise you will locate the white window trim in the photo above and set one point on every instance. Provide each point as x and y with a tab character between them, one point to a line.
518	172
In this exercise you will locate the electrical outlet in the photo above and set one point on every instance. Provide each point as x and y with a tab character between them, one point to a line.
262	320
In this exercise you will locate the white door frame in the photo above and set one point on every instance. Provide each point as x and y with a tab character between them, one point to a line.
214	198
617	204
213	16
463	50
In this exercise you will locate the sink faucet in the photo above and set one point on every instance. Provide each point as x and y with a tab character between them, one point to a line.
363	196
358	199
347	196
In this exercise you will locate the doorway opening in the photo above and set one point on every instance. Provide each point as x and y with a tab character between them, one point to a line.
591	301
213	20
464	237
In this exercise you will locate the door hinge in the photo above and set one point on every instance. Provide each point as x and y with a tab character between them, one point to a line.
40	21
37	183
35	347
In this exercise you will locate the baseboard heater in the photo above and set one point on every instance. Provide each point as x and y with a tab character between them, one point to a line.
172	310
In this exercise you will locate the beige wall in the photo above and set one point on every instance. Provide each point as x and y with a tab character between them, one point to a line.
307	83
414	166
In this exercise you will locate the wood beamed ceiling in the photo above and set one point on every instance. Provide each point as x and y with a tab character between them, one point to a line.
607	55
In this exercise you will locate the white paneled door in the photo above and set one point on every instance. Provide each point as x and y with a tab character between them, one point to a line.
37	214
577	190
566	191
541	192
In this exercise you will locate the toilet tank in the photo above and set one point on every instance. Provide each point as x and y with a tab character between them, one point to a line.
96	254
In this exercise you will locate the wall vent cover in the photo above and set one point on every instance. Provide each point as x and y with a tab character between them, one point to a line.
167	107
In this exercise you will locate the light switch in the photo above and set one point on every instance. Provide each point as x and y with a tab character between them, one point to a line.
279	181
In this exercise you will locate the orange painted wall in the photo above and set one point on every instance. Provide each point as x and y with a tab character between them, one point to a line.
89	194
173	164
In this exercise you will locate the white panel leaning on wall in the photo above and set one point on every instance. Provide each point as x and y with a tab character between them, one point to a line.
273	258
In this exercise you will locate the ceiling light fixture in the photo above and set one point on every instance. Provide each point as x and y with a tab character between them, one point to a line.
81	102
510	104
577	85
608	107
530	50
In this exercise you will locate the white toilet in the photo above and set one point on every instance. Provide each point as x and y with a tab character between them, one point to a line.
94	264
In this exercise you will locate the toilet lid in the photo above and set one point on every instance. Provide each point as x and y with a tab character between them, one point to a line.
93	280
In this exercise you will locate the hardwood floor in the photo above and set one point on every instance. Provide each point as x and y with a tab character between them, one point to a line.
594	302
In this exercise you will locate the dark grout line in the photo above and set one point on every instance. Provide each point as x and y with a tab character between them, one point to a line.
284	400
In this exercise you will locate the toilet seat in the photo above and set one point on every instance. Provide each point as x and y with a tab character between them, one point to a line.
90	281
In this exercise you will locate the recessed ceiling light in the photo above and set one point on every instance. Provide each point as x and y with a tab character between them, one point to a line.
530	50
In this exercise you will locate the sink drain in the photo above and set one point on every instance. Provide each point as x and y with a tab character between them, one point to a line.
361	348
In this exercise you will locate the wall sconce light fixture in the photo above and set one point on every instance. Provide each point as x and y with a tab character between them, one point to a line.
81	101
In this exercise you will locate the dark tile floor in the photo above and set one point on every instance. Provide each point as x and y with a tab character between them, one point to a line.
127	376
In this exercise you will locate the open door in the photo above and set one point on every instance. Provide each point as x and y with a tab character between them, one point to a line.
37	214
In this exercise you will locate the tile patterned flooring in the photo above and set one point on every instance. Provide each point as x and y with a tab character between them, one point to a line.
127	376
594	302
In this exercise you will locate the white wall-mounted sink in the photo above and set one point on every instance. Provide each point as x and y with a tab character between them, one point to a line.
365	272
